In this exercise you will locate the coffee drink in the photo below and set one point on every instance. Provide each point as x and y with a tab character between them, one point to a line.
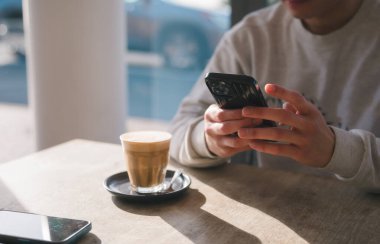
147	156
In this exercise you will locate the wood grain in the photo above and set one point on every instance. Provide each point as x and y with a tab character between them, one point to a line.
229	204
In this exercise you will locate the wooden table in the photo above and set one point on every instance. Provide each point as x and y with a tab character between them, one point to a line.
228	204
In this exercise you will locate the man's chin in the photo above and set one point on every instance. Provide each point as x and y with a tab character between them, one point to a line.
300	14
299	9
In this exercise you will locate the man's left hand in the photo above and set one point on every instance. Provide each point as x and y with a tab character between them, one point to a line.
306	137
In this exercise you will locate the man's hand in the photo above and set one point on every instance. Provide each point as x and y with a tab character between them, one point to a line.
220	125
305	138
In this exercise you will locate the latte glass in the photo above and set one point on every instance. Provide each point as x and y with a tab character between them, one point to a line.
147	155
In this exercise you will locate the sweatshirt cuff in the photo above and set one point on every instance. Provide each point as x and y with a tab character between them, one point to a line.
199	141
347	155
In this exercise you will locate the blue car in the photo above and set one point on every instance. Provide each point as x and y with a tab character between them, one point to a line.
184	36
10	16
10	9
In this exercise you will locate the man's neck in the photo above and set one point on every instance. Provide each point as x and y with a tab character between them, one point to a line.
333	20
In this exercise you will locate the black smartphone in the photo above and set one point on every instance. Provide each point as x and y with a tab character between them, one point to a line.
20	227
233	91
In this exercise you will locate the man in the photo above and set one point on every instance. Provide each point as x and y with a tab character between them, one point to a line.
322	59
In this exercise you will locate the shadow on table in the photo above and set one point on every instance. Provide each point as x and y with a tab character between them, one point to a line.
8	201
319	209
185	215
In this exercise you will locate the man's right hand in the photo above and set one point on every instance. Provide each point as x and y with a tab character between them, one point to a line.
220	126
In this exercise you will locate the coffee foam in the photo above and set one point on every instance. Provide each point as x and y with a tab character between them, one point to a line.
146	141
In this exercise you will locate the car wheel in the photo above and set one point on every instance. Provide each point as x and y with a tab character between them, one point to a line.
183	49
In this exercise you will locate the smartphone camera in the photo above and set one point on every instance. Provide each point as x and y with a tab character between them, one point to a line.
221	88
234	91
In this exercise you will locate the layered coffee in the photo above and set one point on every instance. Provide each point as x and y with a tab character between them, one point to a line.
147	156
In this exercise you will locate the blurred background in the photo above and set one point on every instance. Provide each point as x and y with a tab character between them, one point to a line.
168	43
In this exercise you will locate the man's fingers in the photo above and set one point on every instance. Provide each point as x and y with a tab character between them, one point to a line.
275	114
272	134
226	146
289	107
285	150
216	114
292	97
233	142
230	127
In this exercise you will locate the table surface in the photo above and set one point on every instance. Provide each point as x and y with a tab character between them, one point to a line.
228	204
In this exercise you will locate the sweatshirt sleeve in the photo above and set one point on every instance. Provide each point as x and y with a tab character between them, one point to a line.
356	158
188	145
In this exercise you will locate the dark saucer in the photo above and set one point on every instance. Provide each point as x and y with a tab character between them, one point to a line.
119	185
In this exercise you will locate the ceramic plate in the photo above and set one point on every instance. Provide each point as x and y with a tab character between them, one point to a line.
119	185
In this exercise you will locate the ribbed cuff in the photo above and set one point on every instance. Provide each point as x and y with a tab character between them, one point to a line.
199	141
348	154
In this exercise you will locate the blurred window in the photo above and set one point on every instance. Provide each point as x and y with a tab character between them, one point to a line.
176	39
168	44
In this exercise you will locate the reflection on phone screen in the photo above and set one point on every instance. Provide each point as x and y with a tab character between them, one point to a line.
38	227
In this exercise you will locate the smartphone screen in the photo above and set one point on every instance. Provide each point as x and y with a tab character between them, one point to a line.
34	228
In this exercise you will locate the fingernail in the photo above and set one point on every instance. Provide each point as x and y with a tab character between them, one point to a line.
270	88
244	111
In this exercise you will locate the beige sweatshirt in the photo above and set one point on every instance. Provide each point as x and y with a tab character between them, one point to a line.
338	72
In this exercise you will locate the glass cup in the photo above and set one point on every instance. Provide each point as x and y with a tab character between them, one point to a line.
147	155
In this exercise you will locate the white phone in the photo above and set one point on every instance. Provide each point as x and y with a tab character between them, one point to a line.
20	227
